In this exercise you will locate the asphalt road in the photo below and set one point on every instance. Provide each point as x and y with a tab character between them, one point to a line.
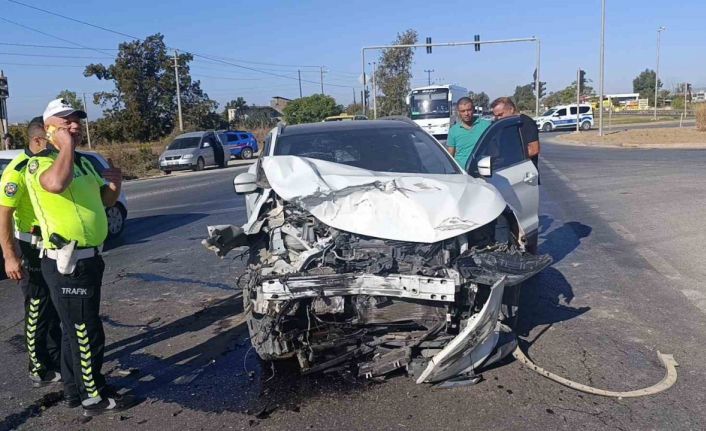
623	226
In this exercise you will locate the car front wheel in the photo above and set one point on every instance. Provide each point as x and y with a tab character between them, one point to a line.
547	127
199	164
585	125
246	153
116	220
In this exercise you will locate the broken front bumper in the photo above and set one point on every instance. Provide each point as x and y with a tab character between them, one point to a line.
271	294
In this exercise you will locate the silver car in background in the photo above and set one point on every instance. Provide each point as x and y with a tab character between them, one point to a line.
194	150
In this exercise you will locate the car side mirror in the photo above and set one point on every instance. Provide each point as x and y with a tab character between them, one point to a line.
206	145
245	183
485	166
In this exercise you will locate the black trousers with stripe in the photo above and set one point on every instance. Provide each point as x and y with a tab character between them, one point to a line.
42	328
77	298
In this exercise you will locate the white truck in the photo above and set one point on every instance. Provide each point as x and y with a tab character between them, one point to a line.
434	107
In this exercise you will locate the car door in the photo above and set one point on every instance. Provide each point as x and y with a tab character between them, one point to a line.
513	173
207	149
561	118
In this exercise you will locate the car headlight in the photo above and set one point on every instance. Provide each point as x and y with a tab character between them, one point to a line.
187	156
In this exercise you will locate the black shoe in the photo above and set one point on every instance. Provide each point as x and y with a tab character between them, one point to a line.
49	379
111	404
72	402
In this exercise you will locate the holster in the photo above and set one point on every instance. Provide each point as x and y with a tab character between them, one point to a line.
66	258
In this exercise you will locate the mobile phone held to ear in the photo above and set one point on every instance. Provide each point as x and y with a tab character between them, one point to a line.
50	133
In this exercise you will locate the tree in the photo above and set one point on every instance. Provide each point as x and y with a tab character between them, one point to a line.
568	94
354	109
524	97
393	75
311	109
480	100
644	84
71	98
143	102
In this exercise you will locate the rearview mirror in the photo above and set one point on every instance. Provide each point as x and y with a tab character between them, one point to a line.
245	183
485	166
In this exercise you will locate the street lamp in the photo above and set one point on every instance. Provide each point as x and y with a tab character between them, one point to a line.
375	90
659	34
602	77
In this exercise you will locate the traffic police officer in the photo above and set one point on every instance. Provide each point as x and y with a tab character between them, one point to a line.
42	329
70	198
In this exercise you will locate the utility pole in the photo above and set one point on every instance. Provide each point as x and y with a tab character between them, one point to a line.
321	69
375	91
659	34
686	86
429	72
4	94
178	90
537	81
578	97
354	96
299	72
88	131
602	72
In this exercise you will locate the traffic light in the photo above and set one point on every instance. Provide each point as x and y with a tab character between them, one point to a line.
542	89
4	89
582	80
476	38
428	45
688	92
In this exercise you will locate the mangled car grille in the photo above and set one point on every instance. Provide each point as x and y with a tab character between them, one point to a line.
334	299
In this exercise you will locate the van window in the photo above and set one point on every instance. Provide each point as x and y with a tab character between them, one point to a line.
561	112
572	110
584	109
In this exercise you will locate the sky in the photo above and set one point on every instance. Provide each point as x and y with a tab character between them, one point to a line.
282	37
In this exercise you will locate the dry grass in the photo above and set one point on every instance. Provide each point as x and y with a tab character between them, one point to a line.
701	117
642	138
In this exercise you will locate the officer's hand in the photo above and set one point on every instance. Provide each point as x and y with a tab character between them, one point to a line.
13	268
113	175
63	140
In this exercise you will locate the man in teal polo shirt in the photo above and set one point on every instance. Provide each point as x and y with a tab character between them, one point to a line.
464	135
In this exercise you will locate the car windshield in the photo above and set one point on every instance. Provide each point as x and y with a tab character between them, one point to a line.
549	112
183	143
433	103
388	149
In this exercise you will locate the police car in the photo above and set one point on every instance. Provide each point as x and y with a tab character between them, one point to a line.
117	214
564	117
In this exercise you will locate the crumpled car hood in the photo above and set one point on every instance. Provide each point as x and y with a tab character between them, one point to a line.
404	207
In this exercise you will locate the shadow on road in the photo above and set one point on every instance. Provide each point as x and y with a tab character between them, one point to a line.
139	230
545	299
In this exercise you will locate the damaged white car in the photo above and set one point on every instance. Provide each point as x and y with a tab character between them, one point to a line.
371	249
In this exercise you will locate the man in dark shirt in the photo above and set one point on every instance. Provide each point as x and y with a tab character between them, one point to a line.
504	107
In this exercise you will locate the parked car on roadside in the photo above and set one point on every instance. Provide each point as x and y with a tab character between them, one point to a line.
239	143
194	150
397	261
564	117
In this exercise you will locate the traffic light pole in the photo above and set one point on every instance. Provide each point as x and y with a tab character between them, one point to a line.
578	98
477	42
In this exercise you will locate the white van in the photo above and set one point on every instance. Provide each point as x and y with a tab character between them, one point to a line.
564	117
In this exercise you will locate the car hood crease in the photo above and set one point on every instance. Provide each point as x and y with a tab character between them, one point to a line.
424	208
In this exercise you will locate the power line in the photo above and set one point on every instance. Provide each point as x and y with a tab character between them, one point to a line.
207	57
41	65
50	55
29	45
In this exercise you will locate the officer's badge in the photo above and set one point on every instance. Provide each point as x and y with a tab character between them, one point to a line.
33	166
10	189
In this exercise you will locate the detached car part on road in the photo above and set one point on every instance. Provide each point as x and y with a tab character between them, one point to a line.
369	245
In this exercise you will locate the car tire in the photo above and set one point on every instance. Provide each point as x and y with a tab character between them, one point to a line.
167	172
586	125
116	219
199	164
547	127
246	153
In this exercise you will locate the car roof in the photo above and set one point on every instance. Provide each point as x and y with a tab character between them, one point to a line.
330	126
192	135
10	154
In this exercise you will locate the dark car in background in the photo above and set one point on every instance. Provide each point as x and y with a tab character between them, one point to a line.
240	143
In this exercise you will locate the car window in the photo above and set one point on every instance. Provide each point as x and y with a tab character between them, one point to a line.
572	110
97	165
584	109
232	137
266	149
504	146
243	137
561	112
389	149
3	164
184	143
